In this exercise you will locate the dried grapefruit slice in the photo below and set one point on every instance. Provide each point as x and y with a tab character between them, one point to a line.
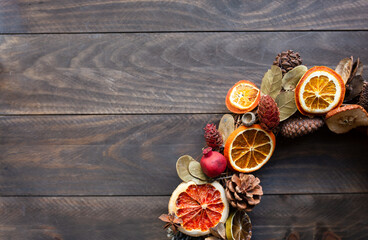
248	148
243	97
320	90
199	206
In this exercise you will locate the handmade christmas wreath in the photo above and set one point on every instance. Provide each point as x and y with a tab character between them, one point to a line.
217	192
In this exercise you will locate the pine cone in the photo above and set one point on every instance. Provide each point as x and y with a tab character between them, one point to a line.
297	127
243	191
212	136
268	113
287	60
363	99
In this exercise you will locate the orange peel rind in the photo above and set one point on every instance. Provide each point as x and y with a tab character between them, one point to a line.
319	91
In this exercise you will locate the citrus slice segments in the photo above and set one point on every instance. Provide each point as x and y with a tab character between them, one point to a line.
243	97
248	148
320	90
201	207
238	226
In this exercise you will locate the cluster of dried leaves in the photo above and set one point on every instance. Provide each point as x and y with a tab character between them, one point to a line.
351	73
189	169
281	88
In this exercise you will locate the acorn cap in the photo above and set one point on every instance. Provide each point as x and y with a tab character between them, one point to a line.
343	119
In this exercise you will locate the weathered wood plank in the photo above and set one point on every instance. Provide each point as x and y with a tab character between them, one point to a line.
149	73
136	155
34	16
69	218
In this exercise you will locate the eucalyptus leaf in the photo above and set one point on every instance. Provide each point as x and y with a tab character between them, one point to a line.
182	168
226	126
291	78
344	68
272	82
286	104
195	170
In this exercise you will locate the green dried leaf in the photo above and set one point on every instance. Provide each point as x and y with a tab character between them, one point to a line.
182	168
286	104
272	82
226	126
195	170
291	78
344	68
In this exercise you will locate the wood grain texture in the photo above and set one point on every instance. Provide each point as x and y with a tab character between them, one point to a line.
136	155
91	218
35	16
149	73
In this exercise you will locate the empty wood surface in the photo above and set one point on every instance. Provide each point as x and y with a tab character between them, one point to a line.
90	218
36	16
149	73
136	155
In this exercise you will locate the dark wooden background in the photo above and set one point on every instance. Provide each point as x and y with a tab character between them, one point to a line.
98	99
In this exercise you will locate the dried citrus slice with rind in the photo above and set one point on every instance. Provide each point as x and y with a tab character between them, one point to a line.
243	97
201	207
238	226
320	90
248	148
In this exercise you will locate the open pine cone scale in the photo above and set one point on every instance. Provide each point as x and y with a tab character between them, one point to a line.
243	191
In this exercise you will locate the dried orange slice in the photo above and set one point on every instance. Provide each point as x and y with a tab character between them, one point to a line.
320	90
248	148
201	207
242	97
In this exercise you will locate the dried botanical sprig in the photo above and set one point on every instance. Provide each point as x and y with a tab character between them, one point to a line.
172	221
218	232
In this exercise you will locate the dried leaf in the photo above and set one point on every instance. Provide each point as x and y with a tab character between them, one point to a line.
359	68
272	81
219	231
344	68
212	238
354	69
226	126
286	104
182	168
195	170
354	88
291	78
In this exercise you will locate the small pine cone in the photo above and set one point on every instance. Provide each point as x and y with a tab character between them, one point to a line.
297	127
268	113
212	136
287	60
363	99
243	191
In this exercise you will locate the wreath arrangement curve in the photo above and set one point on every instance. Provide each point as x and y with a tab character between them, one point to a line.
217	192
